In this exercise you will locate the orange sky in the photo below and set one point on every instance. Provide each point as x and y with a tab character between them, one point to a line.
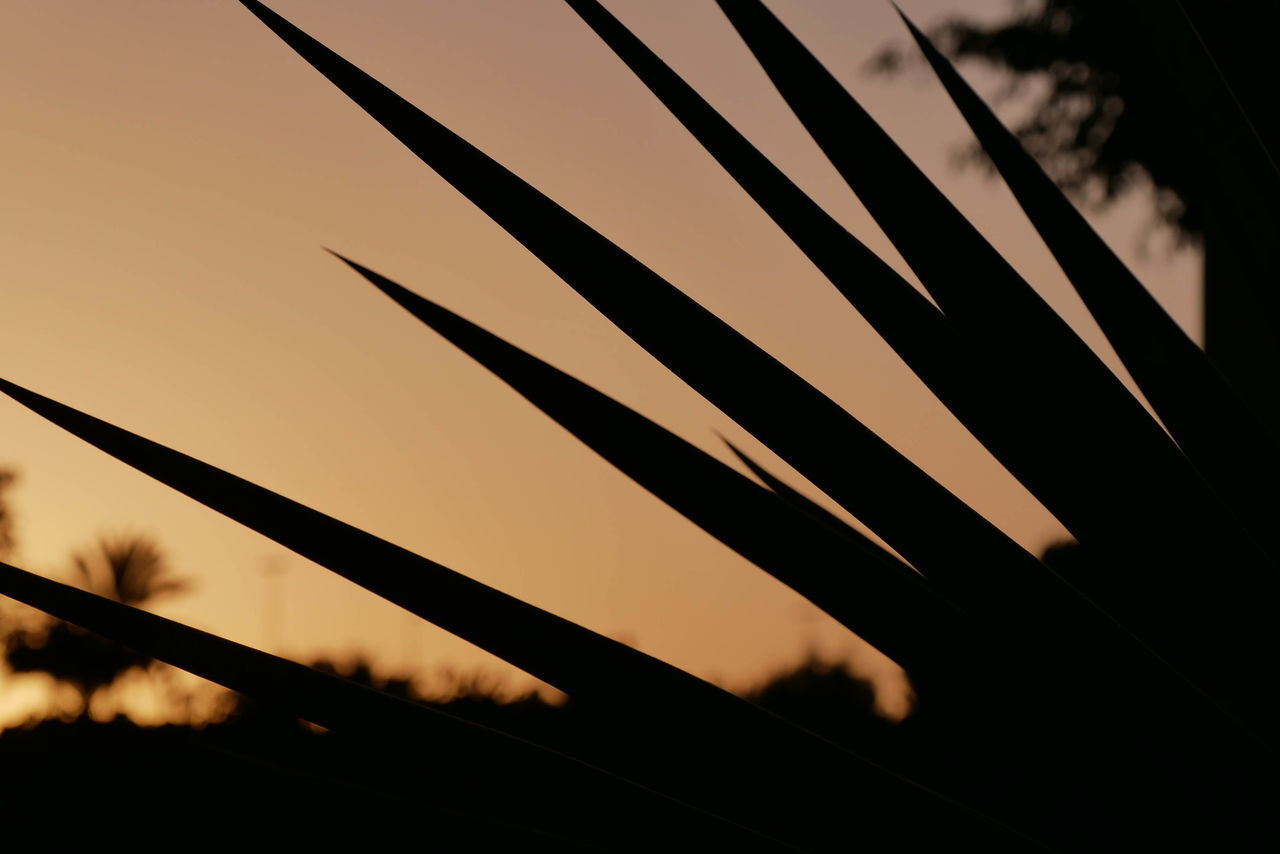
171	170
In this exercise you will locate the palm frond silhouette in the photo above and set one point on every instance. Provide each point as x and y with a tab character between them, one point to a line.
130	570
1121	699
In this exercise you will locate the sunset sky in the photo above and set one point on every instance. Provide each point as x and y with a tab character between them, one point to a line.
172	170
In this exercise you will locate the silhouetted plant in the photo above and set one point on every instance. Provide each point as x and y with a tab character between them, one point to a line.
7	538
1130	707
1122	79
826	697
130	570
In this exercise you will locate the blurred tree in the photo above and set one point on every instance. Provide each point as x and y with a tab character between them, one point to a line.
826	697
130	570
7	541
1122	83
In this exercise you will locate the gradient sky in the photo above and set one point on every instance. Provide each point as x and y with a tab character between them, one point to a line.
171	170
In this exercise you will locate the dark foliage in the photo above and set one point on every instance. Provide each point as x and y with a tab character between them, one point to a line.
129	570
1123	80
261	774
1116	696
7	538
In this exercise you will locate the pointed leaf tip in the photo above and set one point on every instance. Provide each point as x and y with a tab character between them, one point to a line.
397	292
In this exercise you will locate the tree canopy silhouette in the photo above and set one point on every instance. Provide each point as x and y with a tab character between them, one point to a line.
130	570
7	537
1179	92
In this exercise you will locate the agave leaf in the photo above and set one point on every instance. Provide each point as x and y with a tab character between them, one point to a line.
880	599
834	450
456	746
833	565
977	289
310	694
911	324
1131	486
1209	23
660	706
813	508
916	330
908	322
993	409
1212	425
562	653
